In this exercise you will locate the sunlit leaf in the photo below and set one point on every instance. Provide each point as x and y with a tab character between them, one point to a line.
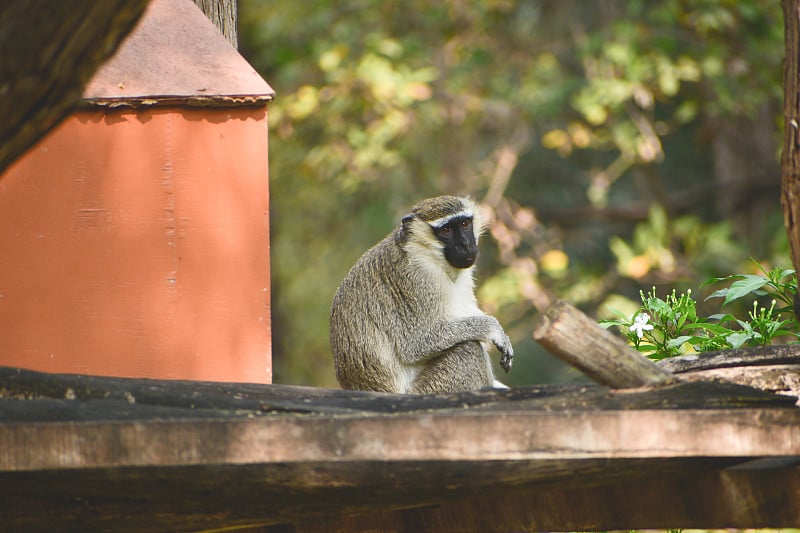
742	287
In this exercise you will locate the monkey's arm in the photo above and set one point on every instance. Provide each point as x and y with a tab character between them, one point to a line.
443	335
463	367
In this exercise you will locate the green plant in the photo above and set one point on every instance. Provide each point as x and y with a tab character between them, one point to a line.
779	283
670	326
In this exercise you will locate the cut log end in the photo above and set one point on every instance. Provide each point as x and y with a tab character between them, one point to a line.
569	334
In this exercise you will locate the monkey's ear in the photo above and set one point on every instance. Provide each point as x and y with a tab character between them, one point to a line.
405	225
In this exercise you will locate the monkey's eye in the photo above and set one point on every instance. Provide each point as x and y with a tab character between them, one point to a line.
444	230
466	223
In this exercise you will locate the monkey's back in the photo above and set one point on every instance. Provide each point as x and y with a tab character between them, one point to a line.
367	334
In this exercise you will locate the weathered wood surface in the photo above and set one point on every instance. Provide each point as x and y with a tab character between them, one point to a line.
743	357
568	333
779	379
58	397
773	369
410	497
93	453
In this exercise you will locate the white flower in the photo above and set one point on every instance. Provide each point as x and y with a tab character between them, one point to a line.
640	324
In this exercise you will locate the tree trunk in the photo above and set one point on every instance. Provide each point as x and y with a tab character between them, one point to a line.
223	14
790	161
48	52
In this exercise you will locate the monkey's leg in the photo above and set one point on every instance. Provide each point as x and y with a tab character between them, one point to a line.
464	367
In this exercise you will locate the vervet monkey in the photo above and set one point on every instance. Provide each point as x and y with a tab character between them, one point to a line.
405	319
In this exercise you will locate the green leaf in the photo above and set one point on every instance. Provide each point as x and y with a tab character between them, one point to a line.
737	340
720	293
711	281
721	317
713	330
749	283
678	341
658	307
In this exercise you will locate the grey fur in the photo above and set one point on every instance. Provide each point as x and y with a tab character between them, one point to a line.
405	320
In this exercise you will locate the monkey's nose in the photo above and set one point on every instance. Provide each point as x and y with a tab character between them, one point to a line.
465	261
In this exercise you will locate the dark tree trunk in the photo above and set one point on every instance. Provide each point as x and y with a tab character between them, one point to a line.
790	161
48	52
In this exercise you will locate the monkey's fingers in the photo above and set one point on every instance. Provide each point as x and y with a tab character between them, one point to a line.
503	343
507	354
506	360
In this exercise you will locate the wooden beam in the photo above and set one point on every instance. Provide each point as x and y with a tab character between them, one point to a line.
668	500
381	497
93	453
179	500
522	471
446	436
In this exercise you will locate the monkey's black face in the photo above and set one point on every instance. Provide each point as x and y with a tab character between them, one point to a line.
458	237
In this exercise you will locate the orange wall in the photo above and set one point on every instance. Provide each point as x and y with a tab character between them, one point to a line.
136	243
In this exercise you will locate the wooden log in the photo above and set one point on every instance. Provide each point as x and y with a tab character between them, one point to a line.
28	396
774	369
777	379
742	357
577	339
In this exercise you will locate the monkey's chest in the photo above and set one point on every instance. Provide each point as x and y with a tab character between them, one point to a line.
461	300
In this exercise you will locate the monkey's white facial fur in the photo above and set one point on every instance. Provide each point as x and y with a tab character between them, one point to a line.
444	231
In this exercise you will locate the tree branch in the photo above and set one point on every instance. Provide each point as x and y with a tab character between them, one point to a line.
48	52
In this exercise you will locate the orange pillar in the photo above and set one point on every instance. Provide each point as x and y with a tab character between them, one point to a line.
136	243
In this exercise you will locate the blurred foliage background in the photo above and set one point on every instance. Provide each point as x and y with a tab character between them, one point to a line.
617	145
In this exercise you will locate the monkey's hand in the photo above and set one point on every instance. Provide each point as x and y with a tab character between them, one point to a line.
499	338
506	360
